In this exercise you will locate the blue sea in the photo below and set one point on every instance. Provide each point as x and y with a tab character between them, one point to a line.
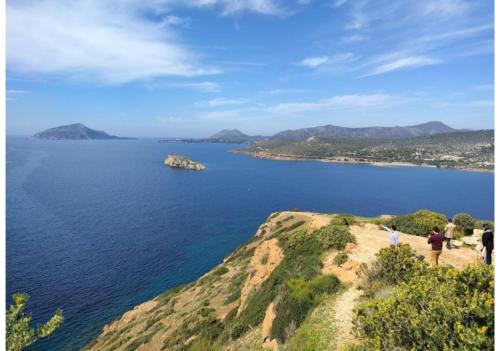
97	227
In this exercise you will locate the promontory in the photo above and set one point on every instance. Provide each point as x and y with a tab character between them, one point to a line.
176	161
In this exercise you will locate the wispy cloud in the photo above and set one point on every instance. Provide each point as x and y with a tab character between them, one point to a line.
222	102
204	87
104	41
13	94
350	102
403	63
313	61
316	61
228	7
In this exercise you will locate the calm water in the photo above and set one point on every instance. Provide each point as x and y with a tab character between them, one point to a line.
96	227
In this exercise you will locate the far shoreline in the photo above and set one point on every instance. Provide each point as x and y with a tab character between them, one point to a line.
345	160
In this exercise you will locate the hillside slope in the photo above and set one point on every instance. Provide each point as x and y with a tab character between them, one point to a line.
239	304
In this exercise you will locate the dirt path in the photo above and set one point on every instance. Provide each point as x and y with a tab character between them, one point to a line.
343	315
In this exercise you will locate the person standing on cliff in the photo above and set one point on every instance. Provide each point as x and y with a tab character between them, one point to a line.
393	234
487	240
449	232
436	241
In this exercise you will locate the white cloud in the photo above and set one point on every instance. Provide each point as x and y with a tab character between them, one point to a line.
317	61
313	61
403	63
227	7
335	102
350	102
222	102
105	41
204	87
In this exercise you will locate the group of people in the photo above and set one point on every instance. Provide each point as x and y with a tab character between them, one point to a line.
435	239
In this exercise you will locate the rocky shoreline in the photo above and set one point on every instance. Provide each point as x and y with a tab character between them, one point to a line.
265	155
176	161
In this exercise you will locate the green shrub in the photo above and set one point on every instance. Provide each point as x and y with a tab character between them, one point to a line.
479	224
442	309
334	236
295	225
302	260
396	264
342	218
221	271
419	223
235	287
295	304
464	223
340	258
19	333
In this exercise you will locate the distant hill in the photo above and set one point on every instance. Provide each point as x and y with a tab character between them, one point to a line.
76	131
459	149
225	136
234	136
335	132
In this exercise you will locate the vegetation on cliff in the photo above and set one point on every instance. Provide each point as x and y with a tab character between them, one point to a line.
280	291
474	149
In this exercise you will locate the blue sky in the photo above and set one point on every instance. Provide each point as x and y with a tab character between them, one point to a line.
169	68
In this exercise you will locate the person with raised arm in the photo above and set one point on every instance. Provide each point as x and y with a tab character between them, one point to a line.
393	234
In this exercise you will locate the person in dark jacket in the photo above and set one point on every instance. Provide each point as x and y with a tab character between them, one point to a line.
487	240
436	241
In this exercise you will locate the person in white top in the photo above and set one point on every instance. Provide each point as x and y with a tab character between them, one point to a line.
449	231
393	234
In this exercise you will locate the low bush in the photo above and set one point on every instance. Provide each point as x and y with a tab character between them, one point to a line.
235	287
295	304
419	223
479	224
221	271
396	264
464	223
302	261
334	236
340	258
441	309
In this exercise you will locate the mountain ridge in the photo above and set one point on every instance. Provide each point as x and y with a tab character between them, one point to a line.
336	132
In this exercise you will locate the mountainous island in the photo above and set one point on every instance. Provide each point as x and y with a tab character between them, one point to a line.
225	136
430	144
176	161
76	131
311	281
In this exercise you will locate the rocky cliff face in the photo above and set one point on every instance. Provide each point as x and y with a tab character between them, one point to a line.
240	305
183	162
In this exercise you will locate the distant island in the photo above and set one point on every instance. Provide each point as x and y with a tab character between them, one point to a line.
76	131
225	136
176	161
472	150
234	136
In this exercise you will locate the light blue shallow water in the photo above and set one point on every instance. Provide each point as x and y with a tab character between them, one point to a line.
96	227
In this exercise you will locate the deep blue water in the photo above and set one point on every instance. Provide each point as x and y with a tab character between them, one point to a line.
97	227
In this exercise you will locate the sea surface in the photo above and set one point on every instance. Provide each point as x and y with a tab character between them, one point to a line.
97	227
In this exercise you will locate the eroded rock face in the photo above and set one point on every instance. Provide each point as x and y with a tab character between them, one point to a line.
183	162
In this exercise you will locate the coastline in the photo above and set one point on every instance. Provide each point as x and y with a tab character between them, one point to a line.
348	160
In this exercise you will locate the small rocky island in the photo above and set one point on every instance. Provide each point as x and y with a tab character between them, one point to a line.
176	161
